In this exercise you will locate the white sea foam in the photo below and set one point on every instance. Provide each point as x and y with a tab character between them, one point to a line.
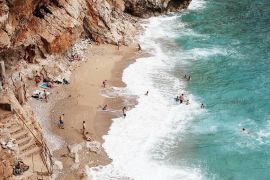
197	4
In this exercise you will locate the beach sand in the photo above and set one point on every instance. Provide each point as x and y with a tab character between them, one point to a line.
80	101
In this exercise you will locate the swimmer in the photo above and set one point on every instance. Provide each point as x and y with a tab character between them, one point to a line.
181	98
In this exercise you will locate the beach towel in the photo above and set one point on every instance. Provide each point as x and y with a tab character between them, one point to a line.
44	85
41	92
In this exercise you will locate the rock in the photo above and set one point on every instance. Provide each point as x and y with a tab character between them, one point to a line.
147	8
58	165
75	148
74	151
75	166
4	40
94	146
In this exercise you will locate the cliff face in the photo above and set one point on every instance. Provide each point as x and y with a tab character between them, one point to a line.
39	27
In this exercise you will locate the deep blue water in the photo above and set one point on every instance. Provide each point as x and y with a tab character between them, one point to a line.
228	50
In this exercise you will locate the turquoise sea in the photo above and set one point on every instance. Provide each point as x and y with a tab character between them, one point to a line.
231	76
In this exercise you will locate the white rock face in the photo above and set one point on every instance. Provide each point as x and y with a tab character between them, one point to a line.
58	165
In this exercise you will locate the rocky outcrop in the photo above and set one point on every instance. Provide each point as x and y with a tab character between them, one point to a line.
53	26
147	8
107	23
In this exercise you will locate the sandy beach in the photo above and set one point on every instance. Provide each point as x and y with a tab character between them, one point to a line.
80	101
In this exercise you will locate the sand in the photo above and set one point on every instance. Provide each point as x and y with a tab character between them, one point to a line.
80	101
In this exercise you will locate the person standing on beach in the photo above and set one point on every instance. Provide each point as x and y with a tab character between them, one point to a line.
181	98
118	45
83	128
45	95
139	47
104	83
124	111
61	121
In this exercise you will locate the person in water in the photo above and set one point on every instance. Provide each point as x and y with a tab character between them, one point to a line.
202	106
189	78
181	98
177	98
146	94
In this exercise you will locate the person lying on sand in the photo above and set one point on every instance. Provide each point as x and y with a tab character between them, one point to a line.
65	81
37	96
87	136
104	107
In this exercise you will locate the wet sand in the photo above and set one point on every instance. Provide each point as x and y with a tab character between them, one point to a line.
81	101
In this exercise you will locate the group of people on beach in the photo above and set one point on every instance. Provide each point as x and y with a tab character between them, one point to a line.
86	134
44	82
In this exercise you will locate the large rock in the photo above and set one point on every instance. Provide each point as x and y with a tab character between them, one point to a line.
4	40
108	23
147	8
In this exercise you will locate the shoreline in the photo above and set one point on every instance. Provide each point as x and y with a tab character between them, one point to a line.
77	108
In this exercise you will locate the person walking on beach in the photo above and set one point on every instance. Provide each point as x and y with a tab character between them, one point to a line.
181	98
83	128
61	121
124	111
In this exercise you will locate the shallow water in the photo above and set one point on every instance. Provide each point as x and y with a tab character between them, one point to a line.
224	46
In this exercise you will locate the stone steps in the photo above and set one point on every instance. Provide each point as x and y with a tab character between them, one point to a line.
23	141
20	135
15	129
27	146
28	153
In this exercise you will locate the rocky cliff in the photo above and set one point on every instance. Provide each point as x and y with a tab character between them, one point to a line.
38	27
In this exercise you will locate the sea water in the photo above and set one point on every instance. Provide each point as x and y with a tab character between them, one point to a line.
224	46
